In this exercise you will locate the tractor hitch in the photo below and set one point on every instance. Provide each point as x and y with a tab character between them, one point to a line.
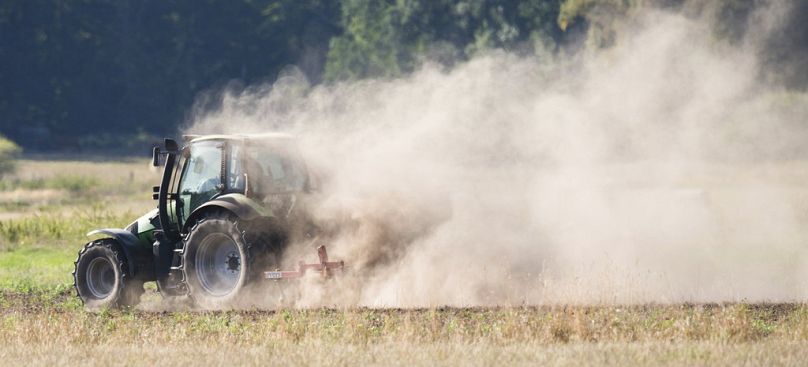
324	267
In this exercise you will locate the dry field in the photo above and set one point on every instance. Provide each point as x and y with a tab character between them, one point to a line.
49	205
53	330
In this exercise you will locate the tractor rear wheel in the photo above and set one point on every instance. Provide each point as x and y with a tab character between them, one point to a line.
216	262
101	277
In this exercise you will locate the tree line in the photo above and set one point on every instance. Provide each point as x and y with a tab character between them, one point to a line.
112	75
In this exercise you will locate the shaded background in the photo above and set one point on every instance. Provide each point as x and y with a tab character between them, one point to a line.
113	76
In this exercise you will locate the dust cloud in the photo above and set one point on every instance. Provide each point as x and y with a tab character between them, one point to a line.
662	169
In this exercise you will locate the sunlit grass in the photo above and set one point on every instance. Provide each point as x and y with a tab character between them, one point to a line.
52	205
29	268
39	250
49	230
60	332
41	185
73	183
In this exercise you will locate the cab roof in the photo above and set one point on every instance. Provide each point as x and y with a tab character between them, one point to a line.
263	136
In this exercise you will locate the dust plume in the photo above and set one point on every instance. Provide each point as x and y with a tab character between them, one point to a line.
661	169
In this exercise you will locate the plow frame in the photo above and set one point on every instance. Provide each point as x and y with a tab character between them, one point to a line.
326	268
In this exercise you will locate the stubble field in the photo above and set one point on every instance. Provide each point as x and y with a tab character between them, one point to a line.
49	204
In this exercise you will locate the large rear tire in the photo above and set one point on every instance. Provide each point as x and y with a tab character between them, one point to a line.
101	277
216	264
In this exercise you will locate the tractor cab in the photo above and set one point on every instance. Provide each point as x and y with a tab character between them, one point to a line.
263	168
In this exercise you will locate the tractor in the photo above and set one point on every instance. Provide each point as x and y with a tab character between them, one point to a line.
227	207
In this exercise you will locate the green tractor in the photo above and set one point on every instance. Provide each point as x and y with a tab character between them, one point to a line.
227	206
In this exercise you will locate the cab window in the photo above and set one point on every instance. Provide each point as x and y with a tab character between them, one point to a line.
274	171
201	177
236	179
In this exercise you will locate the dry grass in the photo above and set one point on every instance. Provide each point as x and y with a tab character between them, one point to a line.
60	333
50	186
50	204
415	354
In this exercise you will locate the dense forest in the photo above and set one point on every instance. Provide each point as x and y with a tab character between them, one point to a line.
111	75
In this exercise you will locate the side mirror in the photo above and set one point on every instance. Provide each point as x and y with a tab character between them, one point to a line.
171	145
156	156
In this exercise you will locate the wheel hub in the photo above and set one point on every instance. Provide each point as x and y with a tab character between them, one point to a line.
233	262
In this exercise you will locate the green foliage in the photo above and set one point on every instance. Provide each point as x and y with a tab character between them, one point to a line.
95	67
601	16
385	38
37	252
58	229
27	269
42	228
730	19
370	44
115	74
8	153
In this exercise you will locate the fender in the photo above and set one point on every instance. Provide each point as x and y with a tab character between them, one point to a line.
130	245
239	204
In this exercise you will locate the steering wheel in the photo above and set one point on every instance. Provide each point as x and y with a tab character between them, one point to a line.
207	185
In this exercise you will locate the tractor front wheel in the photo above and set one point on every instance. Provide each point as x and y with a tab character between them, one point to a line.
101	278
